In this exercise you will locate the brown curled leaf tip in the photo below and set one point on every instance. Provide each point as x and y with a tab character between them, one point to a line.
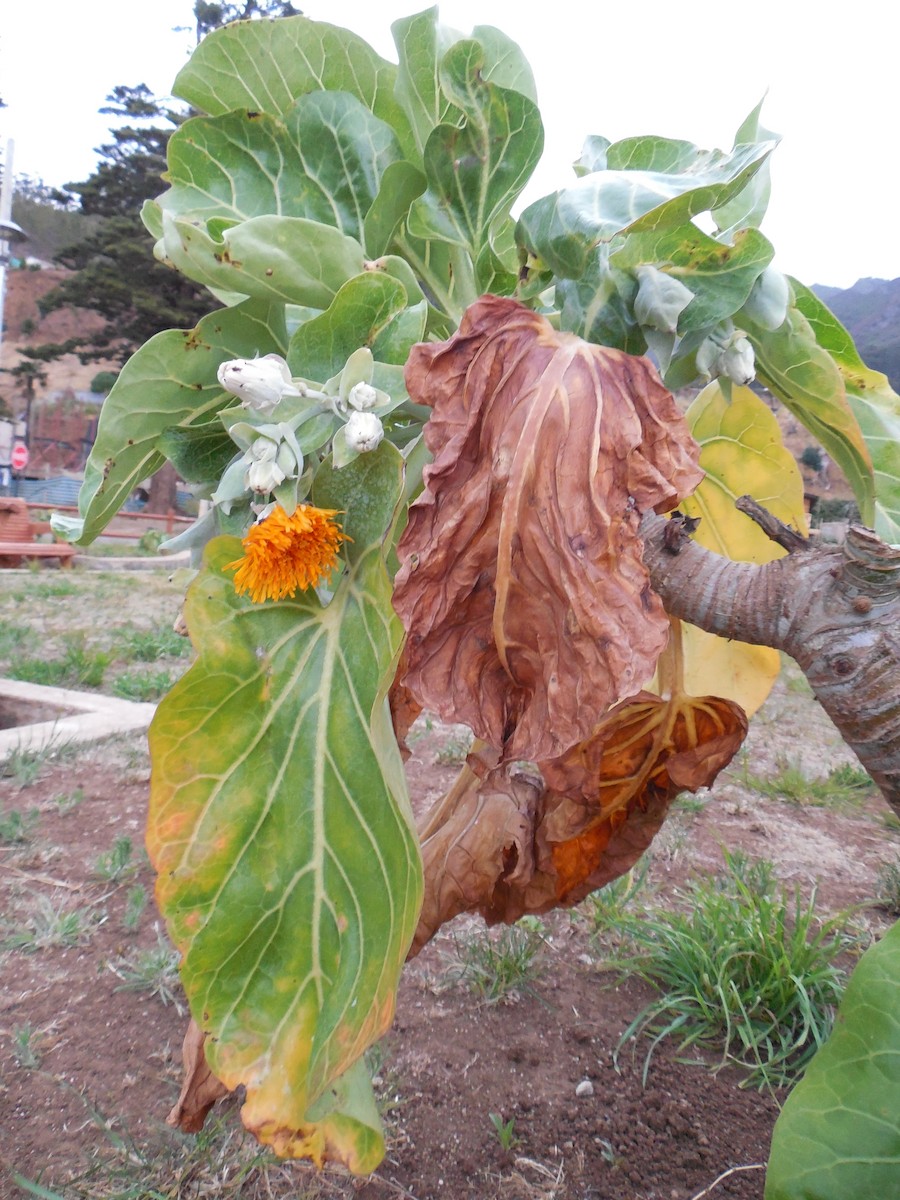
200	1089
505	844
526	602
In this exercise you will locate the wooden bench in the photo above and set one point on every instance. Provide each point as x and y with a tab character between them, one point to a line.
17	534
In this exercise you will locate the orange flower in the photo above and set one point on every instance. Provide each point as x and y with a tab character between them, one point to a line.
283	553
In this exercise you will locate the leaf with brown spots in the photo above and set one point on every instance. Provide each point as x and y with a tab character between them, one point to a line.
507	845
527	606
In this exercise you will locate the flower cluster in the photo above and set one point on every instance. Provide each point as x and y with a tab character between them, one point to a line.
287	427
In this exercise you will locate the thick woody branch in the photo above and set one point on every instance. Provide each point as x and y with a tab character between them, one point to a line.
836	610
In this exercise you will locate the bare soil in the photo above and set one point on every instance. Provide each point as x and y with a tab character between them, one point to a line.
85	1089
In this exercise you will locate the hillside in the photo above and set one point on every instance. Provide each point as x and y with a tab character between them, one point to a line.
24	326
871	312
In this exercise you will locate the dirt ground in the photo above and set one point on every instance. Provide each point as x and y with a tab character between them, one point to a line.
90	1033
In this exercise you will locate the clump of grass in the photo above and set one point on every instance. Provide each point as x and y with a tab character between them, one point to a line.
495	964
66	801
887	892
78	666
505	1132
689	803
16	827
142	685
154	971
151	645
135	903
49	926
742	968
25	766
845	784
605	910
26	1046
454	751
221	1160
112	865
44	590
15	637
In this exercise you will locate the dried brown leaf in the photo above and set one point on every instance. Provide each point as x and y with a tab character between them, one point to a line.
404	709
200	1088
527	605
504	845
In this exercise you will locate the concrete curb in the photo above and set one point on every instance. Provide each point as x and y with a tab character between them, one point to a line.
85	717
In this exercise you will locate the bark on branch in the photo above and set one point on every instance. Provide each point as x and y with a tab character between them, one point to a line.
835	610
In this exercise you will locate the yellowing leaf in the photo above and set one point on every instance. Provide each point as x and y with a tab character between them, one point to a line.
742	672
741	452
288	868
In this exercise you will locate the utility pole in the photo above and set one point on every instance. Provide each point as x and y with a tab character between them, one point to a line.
9	230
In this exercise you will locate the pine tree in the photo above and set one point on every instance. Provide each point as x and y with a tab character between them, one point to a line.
115	274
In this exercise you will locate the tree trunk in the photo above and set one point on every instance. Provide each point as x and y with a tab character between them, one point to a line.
163	497
836	610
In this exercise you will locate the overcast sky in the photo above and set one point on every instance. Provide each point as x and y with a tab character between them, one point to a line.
689	70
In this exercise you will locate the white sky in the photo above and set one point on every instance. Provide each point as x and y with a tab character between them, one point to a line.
688	69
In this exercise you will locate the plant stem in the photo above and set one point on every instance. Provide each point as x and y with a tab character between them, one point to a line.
836	610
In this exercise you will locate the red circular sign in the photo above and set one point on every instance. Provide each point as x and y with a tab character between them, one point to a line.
19	458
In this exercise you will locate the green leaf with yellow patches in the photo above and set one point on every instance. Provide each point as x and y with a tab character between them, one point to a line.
806	378
289	870
875	405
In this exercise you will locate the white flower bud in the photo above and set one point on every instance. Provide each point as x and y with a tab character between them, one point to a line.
263	472
263	450
259	383
737	361
660	299
363	396
264	476
364	432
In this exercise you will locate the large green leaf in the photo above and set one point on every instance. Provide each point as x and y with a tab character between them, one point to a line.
361	310
289	260
721	277
748	207
599	306
838	1137
804	376
875	405
401	184
265	65
564	229
324	161
289	870
170	381
422	41
475	170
